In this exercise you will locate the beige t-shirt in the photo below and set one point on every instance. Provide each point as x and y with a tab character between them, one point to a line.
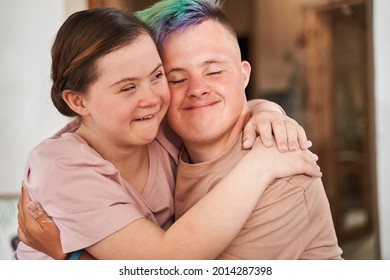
292	219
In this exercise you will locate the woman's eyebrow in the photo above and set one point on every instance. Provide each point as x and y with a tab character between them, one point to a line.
129	79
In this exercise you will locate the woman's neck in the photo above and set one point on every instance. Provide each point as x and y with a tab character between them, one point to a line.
131	161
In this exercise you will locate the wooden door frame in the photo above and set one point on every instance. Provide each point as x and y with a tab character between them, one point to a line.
320	108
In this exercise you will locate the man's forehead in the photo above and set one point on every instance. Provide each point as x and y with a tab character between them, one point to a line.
202	37
178	67
202	28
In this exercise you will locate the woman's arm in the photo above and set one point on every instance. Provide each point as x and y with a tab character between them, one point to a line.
207	228
269	121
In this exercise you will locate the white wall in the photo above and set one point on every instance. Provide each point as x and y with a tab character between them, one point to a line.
382	103
27	116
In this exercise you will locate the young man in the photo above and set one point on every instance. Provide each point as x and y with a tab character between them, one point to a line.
208	110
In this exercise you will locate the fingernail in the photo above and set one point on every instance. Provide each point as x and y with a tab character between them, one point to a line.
245	144
33	209
268	142
293	146
32	205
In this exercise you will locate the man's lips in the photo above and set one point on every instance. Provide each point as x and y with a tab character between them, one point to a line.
200	105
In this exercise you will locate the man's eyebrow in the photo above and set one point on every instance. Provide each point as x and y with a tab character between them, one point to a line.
213	61
203	64
175	69
129	79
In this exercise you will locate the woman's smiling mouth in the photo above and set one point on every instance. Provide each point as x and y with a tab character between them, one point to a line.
145	118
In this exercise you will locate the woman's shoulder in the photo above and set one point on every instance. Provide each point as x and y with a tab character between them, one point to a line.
58	146
62	138
69	149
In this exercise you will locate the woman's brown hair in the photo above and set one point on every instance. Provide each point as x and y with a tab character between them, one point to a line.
81	41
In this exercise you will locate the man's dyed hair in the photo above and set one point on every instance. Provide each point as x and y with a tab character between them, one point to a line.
169	16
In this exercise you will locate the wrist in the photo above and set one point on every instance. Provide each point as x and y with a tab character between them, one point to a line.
60	256
262	105
257	166
56	253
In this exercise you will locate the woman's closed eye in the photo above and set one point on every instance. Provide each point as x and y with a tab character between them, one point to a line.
128	89
158	76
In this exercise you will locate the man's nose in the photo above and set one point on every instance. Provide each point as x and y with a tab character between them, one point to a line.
197	87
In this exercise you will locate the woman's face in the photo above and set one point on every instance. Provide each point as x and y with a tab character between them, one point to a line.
128	101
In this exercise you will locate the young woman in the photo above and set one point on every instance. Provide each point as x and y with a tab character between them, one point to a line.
109	175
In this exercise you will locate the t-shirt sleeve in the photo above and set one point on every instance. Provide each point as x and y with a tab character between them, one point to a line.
321	235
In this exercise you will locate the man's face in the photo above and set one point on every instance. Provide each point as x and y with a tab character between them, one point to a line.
207	81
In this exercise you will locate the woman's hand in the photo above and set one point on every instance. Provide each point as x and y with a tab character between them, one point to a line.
36	228
280	165
270	123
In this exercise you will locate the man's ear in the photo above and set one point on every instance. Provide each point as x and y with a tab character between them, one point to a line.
246	71
75	102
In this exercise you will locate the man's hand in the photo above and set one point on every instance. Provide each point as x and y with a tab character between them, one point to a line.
269	122
36	228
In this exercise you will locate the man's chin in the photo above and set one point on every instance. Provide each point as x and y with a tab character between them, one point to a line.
200	138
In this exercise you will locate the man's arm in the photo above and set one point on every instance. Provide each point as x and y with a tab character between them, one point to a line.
322	243
33	218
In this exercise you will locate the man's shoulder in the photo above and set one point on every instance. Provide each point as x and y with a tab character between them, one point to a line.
300	181
291	190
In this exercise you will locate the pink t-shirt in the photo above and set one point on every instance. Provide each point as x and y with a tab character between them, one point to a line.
87	197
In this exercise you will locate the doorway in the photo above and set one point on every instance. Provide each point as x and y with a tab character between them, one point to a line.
340	113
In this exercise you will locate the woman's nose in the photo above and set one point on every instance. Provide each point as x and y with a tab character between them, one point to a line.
149	98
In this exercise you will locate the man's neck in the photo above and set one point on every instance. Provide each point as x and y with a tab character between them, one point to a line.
206	150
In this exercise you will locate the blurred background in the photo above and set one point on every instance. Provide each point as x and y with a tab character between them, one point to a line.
325	62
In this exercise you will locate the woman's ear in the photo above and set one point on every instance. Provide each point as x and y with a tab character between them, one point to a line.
75	102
